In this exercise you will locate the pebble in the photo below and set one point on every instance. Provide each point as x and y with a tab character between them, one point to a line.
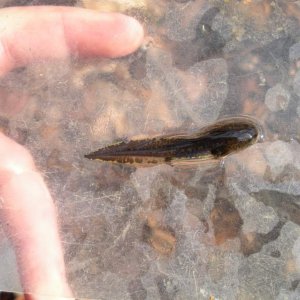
296	84
278	155
296	253
256	216
277	98
294	52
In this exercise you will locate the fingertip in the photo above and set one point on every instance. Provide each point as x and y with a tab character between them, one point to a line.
133	35
103	34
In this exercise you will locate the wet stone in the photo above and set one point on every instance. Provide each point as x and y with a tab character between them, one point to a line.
286	206
166	287
138	67
295	284
226	220
137	290
297	83
277	98
294	52
257	217
161	238
278	155
253	242
162	195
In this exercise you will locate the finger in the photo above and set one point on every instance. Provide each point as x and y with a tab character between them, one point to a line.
29	220
36	33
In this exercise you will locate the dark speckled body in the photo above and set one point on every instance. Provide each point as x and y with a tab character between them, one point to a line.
212	142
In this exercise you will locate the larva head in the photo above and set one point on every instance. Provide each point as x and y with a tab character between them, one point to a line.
232	135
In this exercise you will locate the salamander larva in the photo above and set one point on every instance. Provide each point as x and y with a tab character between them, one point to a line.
213	142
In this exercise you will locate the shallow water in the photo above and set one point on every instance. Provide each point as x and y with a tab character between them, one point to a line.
228	231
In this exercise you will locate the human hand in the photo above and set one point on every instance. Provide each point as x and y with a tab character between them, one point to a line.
26	208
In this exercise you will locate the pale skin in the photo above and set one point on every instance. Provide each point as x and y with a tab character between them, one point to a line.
27	212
